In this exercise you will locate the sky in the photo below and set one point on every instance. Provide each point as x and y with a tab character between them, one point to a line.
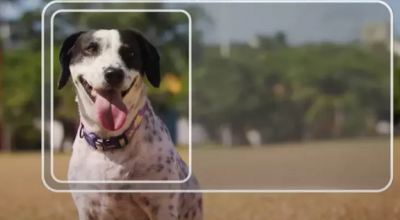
301	22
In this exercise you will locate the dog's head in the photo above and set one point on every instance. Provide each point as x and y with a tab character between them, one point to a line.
104	66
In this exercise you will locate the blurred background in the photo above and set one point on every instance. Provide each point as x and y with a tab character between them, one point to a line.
283	96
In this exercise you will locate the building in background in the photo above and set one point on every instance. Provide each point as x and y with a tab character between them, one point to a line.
5	34
380	33
396	47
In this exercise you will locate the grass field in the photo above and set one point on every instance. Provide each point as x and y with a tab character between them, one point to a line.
22	195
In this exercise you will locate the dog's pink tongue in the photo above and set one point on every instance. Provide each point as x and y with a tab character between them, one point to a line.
110	108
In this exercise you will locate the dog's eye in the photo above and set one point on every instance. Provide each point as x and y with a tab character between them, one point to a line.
126	50
130	53
91	49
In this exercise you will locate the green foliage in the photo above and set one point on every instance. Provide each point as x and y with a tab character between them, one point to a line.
21	95
21	86
292	89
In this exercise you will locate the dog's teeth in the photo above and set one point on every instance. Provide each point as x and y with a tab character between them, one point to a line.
94	93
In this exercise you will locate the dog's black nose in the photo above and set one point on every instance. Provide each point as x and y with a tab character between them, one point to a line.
114	76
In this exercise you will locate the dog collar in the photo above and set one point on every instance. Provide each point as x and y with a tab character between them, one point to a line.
104	144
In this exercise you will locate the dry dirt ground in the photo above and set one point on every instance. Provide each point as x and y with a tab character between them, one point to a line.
23	196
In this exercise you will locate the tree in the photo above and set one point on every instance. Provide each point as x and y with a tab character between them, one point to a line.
23	100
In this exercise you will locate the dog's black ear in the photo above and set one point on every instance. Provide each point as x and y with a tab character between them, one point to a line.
65	58
151	59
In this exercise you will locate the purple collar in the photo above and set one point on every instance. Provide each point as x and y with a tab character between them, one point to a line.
104	144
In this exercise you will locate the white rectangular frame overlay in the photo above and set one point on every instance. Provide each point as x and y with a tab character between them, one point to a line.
52	89
190	107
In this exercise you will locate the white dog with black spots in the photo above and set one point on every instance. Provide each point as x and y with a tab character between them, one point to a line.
120	137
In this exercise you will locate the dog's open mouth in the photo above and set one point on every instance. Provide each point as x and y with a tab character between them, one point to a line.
88	89
108	103
92	93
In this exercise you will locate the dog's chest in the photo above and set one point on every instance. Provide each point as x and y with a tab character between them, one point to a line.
88	164
94	167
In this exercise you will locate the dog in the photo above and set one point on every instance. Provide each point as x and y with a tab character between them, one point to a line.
120	137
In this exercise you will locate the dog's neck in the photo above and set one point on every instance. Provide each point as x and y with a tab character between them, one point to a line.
134	100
